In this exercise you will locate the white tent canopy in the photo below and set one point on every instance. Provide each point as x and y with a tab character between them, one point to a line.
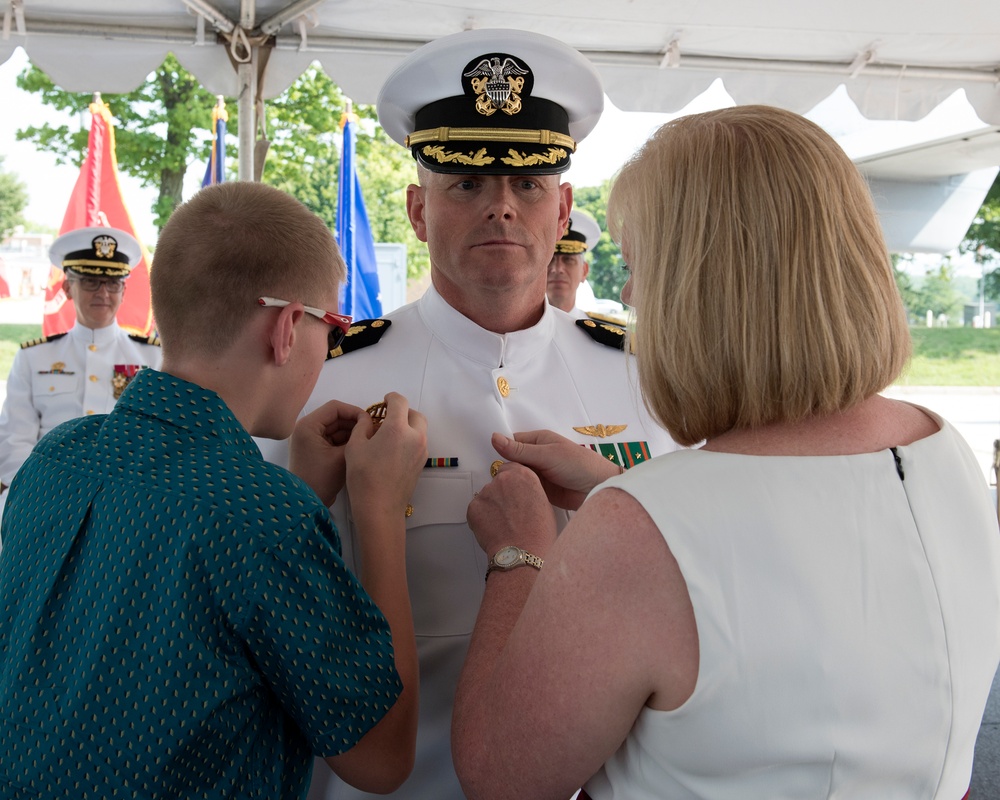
896	59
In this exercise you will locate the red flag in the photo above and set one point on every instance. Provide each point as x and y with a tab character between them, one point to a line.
97	200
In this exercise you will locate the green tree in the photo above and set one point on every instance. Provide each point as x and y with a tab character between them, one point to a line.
41	227
304	158
388	170
983	239
937	294
13	201
907	291
159	128
165	125
606	274
303	129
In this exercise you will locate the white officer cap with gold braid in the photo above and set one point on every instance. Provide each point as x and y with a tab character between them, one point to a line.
96	251
581	234
492	101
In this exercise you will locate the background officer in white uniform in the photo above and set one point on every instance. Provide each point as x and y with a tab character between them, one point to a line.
569	268
83	371
492	117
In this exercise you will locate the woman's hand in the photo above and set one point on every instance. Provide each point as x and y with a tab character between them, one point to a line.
567	471
512	509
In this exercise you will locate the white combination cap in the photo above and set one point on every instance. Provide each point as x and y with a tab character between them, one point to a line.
96	251
493	101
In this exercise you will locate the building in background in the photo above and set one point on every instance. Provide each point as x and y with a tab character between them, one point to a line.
24	263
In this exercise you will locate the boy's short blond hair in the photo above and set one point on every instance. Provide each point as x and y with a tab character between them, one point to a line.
227	246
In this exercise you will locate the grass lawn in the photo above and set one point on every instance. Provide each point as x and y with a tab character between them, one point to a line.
11	337
954	357
941	356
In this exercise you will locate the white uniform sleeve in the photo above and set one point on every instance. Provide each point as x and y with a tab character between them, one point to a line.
19	421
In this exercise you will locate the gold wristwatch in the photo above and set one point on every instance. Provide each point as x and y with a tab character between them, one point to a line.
511	557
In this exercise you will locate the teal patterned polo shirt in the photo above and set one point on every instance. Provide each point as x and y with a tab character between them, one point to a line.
175	617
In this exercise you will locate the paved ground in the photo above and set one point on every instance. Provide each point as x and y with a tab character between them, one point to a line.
986	768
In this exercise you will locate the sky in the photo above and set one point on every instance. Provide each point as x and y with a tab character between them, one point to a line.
50	185
616	137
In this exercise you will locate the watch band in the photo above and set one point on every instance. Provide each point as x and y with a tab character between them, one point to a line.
524	558
533	561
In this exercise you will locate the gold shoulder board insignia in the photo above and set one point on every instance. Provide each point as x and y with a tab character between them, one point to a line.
42	340
153	340
363	333
603	332
619	321
600	431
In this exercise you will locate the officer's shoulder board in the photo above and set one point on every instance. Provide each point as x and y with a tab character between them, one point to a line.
42	340
606	333
619	321
363	333
153	340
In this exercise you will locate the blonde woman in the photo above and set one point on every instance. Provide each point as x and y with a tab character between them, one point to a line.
808	605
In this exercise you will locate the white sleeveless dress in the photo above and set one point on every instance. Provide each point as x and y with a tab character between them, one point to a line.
848	623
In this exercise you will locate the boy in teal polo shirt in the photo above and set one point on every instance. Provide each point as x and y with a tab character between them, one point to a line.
175	616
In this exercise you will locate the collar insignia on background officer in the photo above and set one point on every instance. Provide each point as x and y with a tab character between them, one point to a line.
96	251
492	101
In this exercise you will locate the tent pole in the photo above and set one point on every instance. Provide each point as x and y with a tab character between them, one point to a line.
247	74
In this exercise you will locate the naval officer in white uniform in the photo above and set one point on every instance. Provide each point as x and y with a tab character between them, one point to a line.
568	268
492	117
83	371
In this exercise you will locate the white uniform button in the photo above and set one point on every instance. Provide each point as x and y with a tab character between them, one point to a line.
503	386
93	379
89	412
91	347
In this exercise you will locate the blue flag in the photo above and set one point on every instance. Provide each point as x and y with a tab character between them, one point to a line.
215	170
360	295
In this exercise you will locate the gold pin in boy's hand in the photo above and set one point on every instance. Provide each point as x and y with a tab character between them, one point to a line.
377	412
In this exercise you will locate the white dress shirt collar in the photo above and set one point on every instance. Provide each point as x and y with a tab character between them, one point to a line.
460	333
99	336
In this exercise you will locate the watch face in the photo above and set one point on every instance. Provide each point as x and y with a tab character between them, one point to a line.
507	556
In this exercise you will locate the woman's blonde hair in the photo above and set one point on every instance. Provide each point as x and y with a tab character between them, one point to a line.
761	283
